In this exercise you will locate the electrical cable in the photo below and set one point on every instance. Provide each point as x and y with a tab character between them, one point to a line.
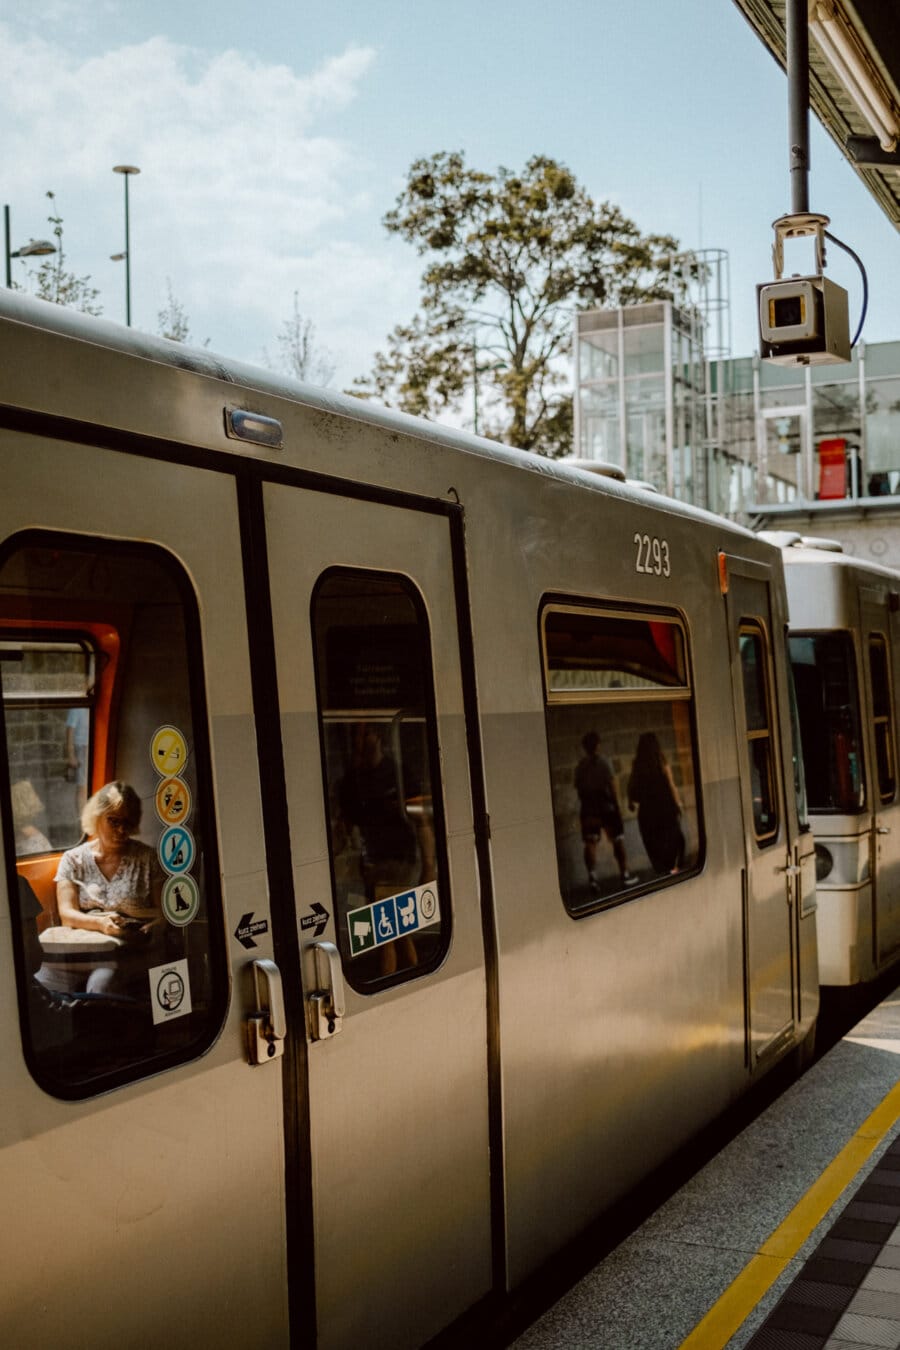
865	280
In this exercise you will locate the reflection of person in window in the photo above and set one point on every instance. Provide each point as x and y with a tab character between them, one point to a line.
652	788
596	787
27	808
112	885
77	735
394	854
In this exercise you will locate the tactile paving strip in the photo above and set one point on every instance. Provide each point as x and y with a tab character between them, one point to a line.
847	1296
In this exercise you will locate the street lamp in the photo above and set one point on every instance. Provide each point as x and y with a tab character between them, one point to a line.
35	248
126	170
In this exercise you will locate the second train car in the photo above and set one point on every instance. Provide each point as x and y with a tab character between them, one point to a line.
477	866
844	646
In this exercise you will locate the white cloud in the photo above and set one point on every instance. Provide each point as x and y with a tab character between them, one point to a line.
246	193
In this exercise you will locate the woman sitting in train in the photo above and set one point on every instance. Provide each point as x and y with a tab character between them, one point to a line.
112	884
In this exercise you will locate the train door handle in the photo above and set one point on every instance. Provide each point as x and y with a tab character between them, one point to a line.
327	999
792	870
267	1026
882	829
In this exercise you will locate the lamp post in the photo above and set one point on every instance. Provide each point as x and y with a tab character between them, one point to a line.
35	248
126	170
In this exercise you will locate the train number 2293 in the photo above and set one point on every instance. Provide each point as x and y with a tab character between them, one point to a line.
652	556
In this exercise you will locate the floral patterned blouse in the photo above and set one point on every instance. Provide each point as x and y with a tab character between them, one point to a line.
130	887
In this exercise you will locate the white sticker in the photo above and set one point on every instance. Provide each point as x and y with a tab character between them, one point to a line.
170	991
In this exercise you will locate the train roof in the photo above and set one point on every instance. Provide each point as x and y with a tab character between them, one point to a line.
814	551
45	317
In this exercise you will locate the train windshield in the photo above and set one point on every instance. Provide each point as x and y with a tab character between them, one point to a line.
830	729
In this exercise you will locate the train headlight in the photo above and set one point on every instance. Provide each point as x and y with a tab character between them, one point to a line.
824	862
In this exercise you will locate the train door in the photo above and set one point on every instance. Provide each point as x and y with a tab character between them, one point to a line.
877	640
380	814
141	1155
769	866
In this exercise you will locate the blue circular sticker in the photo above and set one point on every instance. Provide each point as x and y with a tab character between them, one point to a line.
177	849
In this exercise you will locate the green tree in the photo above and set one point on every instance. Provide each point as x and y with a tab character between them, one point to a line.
52	282
508	257
172	318
299	354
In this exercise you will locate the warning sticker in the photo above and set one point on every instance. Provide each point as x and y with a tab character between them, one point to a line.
177	849
170	991
180	900
394	917
168	750
173	801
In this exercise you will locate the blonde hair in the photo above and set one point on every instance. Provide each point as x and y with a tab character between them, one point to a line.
112	797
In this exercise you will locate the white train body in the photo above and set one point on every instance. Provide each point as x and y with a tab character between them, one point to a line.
845	650
387	1058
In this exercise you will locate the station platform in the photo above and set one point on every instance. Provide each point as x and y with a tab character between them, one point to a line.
788	1239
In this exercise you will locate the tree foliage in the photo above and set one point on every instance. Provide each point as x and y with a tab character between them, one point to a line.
508	257
51	281
299	354
172	318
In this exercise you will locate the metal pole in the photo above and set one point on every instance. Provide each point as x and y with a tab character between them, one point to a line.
127	258
7	252
798	101
475	384
126	170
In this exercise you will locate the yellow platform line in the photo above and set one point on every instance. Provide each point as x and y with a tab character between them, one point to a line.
740	1298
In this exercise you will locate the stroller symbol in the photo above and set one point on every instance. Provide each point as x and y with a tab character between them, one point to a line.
407	912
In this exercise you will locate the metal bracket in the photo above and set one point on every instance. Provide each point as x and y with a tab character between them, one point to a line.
798	226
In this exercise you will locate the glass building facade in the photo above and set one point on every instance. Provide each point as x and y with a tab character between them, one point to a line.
743	437
640	398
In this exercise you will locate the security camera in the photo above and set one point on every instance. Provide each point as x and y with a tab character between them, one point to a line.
803	321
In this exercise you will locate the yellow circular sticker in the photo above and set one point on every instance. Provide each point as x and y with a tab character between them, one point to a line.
173	801
168	751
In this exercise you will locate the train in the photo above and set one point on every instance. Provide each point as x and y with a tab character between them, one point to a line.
483	870
844	649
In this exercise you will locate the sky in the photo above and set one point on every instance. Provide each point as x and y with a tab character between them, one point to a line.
273	137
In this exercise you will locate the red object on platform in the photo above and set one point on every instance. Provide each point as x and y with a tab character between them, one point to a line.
832	469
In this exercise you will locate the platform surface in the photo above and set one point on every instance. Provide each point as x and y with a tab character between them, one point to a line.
815	1178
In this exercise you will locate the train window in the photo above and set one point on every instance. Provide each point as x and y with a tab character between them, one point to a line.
824	671
379	746
882	721
48	689
760	742
622	750
107	829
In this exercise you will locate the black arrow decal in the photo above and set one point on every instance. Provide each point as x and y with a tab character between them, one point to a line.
317	919
248	927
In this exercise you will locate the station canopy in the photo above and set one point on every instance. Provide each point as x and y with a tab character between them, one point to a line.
854	79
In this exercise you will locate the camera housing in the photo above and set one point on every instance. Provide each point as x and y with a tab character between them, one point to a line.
803	321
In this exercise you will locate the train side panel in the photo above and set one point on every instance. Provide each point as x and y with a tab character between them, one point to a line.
490	762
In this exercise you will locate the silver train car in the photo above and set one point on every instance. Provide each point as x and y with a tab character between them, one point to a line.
471	873
845	651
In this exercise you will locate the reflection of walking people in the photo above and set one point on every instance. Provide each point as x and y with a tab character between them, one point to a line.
395	854
78	725
652	788
600	814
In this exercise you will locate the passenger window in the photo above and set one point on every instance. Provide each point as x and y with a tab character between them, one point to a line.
760	744
881	716
48	688
619	716
111	859
830	727
378	734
